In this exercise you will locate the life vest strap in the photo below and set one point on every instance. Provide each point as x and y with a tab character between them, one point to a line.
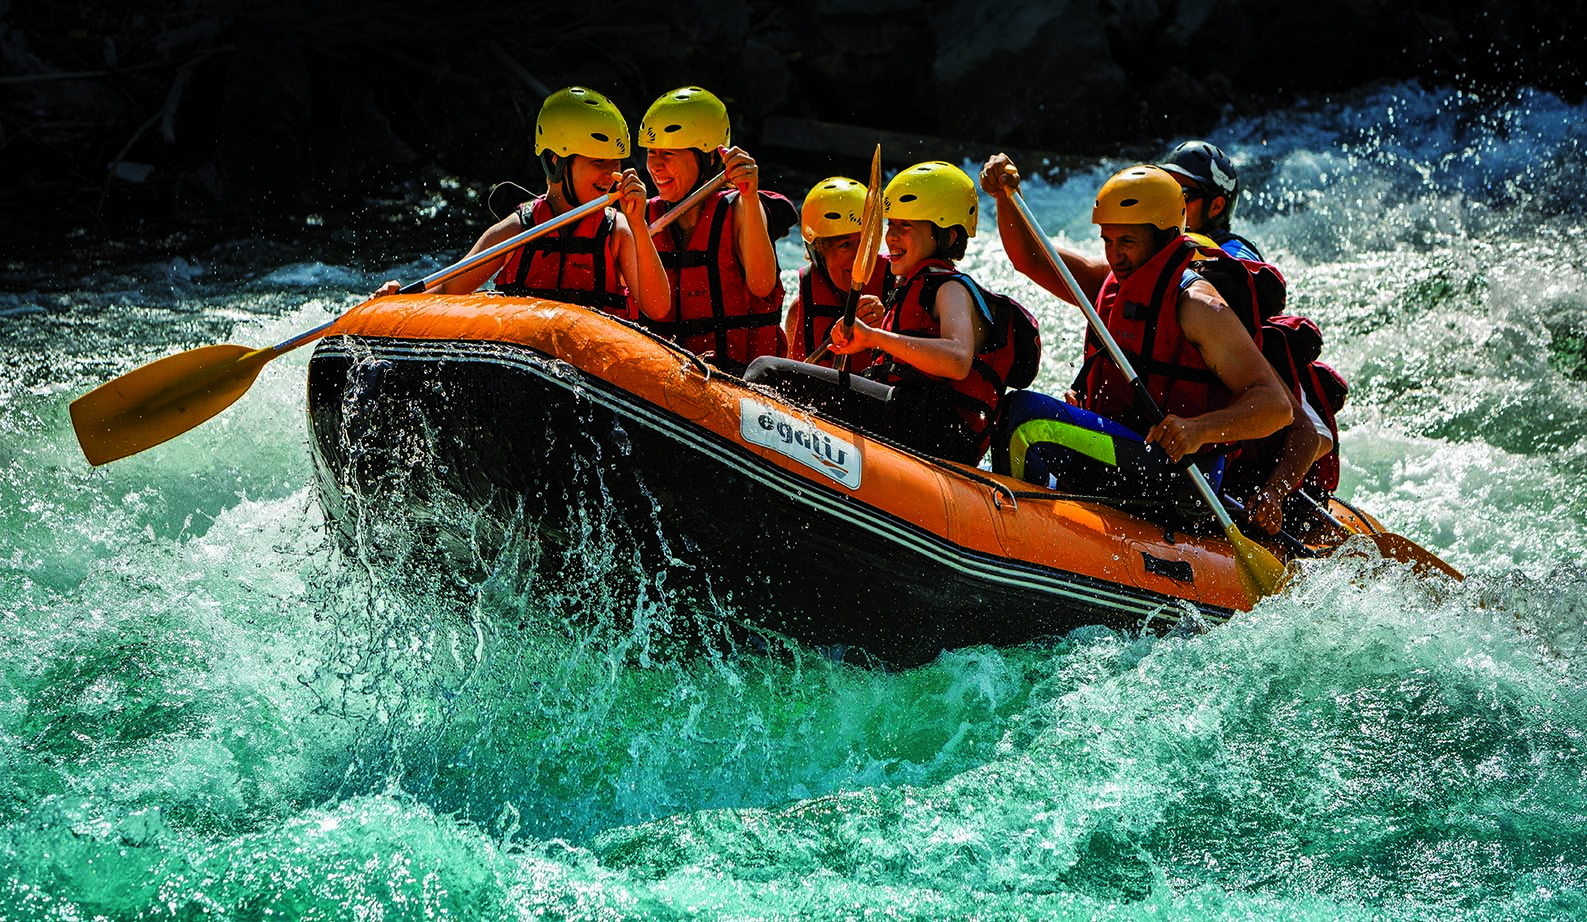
702	325
585	298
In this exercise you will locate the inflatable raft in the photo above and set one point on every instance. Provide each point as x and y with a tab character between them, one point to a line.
554	415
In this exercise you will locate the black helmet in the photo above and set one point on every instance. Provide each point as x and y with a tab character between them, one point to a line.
1207	164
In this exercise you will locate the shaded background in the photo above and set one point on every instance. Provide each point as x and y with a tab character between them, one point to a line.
125	123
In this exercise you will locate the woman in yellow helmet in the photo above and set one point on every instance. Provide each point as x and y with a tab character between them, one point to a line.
1194	356
581	140
719	255
942	354
830	225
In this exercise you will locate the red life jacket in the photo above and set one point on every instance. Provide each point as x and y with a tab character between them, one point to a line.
573	264
1257	458
1327	390
820	304
1324	388
712	307
1292	345
1142	313
910	313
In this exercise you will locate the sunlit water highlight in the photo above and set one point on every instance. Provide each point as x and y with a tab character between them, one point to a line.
209	707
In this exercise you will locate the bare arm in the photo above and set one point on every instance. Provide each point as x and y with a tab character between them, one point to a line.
791	319
637	259
999	178
1301	445
477	276
948	355
756	253
1261	404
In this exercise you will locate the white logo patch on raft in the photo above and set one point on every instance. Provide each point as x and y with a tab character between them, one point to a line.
800	440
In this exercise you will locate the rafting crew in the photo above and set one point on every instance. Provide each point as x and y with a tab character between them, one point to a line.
1196	358
941	348
829	222
1211	188
944	343
1264	475
580	141
719	254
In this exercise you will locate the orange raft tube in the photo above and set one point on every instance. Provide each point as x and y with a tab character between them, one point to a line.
555	416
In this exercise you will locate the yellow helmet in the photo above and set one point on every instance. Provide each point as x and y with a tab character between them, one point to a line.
688	117
937	192
576	120
1142	194
833	208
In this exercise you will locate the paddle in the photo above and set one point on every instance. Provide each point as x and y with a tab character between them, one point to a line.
1390	545
165	398
689	201
865	259
1261	573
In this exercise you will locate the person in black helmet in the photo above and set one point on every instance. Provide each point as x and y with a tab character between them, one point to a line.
1194	355
1211	187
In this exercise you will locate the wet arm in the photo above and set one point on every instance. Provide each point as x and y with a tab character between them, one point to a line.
1000	178
948	355
471	280
1261	404
757	255
1301	445
637	258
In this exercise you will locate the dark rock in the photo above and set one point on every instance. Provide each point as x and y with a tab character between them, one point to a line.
263	140
277	108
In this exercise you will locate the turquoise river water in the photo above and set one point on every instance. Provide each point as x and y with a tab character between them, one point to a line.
210	710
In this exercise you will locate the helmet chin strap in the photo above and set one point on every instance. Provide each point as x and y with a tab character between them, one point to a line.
819	260
707	165
552	166
556	170
1221	219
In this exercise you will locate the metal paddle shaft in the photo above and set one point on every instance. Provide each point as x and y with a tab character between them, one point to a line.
484	256
689	201
1262	573
165	398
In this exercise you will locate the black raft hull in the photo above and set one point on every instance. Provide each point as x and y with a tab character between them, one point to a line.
576	433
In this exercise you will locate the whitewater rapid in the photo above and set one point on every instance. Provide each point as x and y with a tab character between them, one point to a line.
208	707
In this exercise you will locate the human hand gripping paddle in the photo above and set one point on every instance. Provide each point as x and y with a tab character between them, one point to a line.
165	398
864	259
1260	572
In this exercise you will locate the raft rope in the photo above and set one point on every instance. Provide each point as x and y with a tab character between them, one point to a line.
706	369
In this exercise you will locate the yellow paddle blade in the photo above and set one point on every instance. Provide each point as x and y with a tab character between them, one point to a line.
1398	547
163	399
870	225
1261	573
1423	561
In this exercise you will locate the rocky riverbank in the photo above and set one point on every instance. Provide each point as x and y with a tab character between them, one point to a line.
240	113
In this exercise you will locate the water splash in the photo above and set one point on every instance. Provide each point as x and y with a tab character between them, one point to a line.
208	704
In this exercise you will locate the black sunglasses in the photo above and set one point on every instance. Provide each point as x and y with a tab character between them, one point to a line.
1193	194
